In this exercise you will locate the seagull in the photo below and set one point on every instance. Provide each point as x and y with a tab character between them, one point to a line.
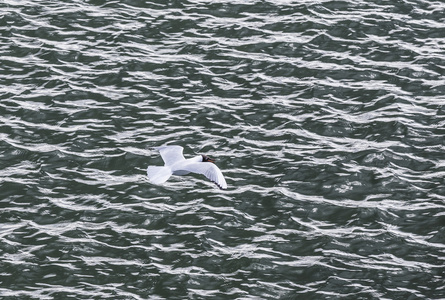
176	164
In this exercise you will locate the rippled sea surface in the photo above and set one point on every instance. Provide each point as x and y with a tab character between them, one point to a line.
327	119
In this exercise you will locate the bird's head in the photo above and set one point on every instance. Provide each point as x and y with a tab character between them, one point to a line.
205	158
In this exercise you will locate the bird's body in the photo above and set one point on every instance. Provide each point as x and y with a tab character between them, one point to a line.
176	164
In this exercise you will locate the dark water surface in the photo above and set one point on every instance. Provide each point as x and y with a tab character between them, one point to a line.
326	117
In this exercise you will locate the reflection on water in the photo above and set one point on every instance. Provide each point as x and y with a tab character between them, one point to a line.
325	117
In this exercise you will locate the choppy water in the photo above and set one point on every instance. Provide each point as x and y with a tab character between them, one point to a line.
326	118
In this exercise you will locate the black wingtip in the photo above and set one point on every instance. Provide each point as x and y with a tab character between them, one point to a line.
220	187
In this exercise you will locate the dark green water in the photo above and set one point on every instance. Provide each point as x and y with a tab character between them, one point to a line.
326	118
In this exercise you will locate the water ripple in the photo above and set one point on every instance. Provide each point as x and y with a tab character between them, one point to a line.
326	118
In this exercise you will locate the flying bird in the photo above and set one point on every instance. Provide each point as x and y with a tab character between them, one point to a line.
176	164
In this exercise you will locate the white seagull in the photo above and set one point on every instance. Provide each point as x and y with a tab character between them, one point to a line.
176	164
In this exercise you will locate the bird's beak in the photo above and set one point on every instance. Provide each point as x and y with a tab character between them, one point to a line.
211	160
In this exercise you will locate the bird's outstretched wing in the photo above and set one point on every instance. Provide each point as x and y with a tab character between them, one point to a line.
170	154
209	170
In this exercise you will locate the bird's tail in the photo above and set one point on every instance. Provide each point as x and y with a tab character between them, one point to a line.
158	175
